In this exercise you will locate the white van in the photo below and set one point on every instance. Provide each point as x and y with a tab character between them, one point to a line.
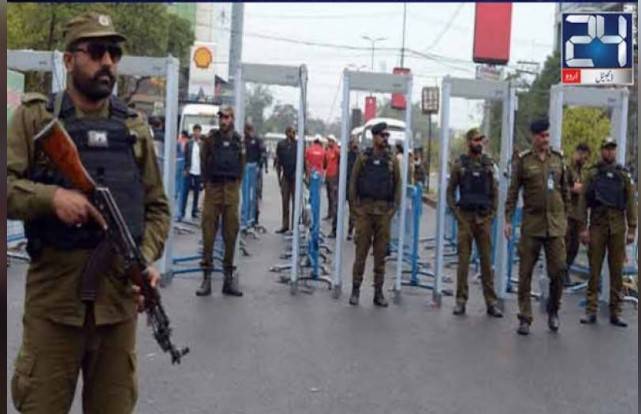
205	115
395	127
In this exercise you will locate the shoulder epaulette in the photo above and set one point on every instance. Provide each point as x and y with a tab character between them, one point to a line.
525	153
558	152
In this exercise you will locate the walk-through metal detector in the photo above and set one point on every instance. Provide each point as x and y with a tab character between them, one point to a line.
45	61
613	99
490	91
281	75
381	83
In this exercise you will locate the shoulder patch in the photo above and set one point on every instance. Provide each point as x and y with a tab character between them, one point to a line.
32	97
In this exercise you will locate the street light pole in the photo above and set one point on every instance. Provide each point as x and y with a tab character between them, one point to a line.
373	41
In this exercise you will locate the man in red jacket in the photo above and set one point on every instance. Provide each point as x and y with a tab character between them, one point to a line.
332	156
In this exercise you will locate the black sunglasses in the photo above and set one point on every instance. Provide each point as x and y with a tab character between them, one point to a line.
97	50
385	134
224	116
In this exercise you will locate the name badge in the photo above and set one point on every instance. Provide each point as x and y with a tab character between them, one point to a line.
609	174
550	183
97	139
377	162
476	174
226	144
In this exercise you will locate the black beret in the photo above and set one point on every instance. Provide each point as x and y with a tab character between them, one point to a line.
378	128
540	125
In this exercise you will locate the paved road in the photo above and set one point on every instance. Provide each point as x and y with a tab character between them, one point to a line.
273	353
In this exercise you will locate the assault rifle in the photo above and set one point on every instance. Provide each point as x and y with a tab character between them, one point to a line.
55	143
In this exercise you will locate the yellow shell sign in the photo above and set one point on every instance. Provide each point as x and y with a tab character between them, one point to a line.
203	58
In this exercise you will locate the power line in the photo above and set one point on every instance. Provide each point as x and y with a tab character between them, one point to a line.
446	28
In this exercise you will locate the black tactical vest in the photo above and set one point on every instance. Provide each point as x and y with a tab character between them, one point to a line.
223	158
252	150
607	188
376	179
475	186
105	146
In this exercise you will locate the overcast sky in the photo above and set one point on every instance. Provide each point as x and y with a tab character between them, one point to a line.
444	29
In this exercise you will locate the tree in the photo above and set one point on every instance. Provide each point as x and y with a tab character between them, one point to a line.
149	28
256	101
584	125
283	116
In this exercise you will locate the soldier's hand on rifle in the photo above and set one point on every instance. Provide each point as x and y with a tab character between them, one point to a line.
153	275
73	208
507	230
585	236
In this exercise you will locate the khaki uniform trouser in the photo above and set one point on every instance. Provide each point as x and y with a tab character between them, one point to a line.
602	240
371	230
52	355
529	249
469	231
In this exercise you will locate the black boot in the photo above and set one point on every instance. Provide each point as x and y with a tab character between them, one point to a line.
356	291
379	299
205	286
589	319
228	285
617	321
459	309
553	321
524	328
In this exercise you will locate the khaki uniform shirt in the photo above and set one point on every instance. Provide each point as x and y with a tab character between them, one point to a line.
545	193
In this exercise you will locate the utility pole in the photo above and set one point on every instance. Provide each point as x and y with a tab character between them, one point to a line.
236	40
404	27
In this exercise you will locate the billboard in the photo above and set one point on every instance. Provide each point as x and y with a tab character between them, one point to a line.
492	29
398	99
202	72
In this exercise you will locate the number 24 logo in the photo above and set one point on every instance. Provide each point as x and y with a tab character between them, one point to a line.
596	28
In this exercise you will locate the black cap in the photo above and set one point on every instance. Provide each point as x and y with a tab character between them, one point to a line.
378	128
540	125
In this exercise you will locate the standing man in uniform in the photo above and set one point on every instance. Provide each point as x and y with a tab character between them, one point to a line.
610	199
375	195
540	172
352	155
62	333
192	172
222	164
332	159
256	153
575	184
473	175
285	164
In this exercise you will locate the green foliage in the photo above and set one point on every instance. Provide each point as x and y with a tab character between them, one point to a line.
257	100
149	27
584	125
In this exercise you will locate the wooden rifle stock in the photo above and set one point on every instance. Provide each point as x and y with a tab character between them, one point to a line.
58	146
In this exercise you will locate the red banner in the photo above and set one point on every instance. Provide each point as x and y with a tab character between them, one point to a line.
370	108
398	99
